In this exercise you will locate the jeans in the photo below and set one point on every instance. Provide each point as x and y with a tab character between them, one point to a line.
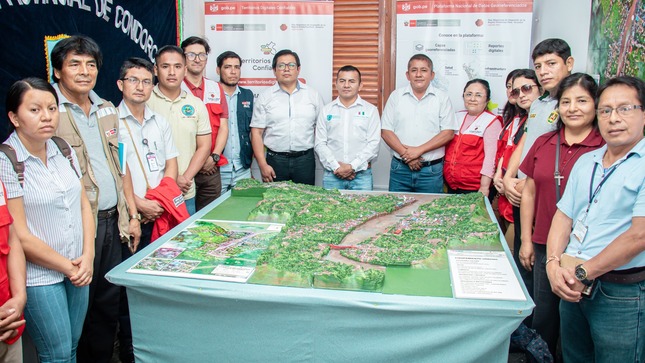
230	177
610	327
97	341
55	315
190	205
299	169
427	180
362	181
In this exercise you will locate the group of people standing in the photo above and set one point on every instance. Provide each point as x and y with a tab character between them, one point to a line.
72	210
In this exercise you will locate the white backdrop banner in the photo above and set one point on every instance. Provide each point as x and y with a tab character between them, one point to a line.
465	39
256	30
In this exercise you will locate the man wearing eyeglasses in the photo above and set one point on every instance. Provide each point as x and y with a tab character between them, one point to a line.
187	116
601	221
418	121
150	155
284	119
208	181
90	125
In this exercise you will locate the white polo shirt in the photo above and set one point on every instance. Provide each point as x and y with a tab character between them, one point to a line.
416	121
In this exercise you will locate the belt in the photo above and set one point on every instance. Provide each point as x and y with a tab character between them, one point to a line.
107	213
288	154
424	163
630	276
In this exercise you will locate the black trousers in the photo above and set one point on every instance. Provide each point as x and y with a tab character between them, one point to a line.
126	353
97	340
527	276
299	169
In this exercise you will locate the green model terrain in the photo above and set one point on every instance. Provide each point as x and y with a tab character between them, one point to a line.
312	250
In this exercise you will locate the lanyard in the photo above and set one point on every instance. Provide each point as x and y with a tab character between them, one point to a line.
602	181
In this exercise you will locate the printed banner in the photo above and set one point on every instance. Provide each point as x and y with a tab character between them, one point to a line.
465	39
122	28
256	30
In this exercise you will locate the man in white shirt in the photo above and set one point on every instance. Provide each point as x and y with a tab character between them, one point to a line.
284	119
348	135
418	121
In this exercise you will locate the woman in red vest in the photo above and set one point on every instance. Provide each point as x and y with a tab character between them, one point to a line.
470	156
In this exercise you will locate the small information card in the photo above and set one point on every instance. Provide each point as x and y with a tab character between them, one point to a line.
483	275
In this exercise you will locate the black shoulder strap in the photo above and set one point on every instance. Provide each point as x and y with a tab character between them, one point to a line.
66	150
18	166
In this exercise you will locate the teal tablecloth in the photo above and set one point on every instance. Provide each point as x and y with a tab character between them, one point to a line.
191	320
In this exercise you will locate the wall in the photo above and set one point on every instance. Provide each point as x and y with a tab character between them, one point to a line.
568	20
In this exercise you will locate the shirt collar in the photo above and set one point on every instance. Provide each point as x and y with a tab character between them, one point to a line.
593	139
23	154
430	90
124	112
358	102
276	87
160	94
62	100
192	87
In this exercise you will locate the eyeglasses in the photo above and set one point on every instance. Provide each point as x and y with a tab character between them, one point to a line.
624	111
191	56
283	66
134	81
478	96
515	92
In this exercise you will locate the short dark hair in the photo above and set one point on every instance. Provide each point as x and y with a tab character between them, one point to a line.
483	82
421	57
226	55
17	91
552	46
77	44
578	79
169	49
274	64
135	62
632	82
349	68
196	40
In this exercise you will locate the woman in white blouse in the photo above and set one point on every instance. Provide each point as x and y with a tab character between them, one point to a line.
53	221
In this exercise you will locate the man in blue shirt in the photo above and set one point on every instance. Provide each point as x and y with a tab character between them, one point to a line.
601	222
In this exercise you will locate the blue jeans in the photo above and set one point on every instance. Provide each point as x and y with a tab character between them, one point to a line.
190	205
362	181
427	180
230	177
610	327
55	315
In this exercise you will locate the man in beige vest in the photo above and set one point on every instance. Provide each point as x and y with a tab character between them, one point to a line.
90	125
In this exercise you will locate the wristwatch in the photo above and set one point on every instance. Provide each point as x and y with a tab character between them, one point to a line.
135	216
215	157
581	275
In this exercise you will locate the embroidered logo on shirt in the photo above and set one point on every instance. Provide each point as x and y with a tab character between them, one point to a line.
110	132
178	200
212	99
553	117
246	104
188	110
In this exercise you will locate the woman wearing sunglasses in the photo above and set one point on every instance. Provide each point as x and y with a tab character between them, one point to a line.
470	156
547	166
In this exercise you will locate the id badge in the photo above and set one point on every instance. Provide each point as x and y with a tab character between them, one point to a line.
579	230
152	161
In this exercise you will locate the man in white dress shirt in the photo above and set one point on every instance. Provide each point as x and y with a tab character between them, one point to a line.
284	118
348	135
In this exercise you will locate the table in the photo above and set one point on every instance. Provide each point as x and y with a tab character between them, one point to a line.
191	320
